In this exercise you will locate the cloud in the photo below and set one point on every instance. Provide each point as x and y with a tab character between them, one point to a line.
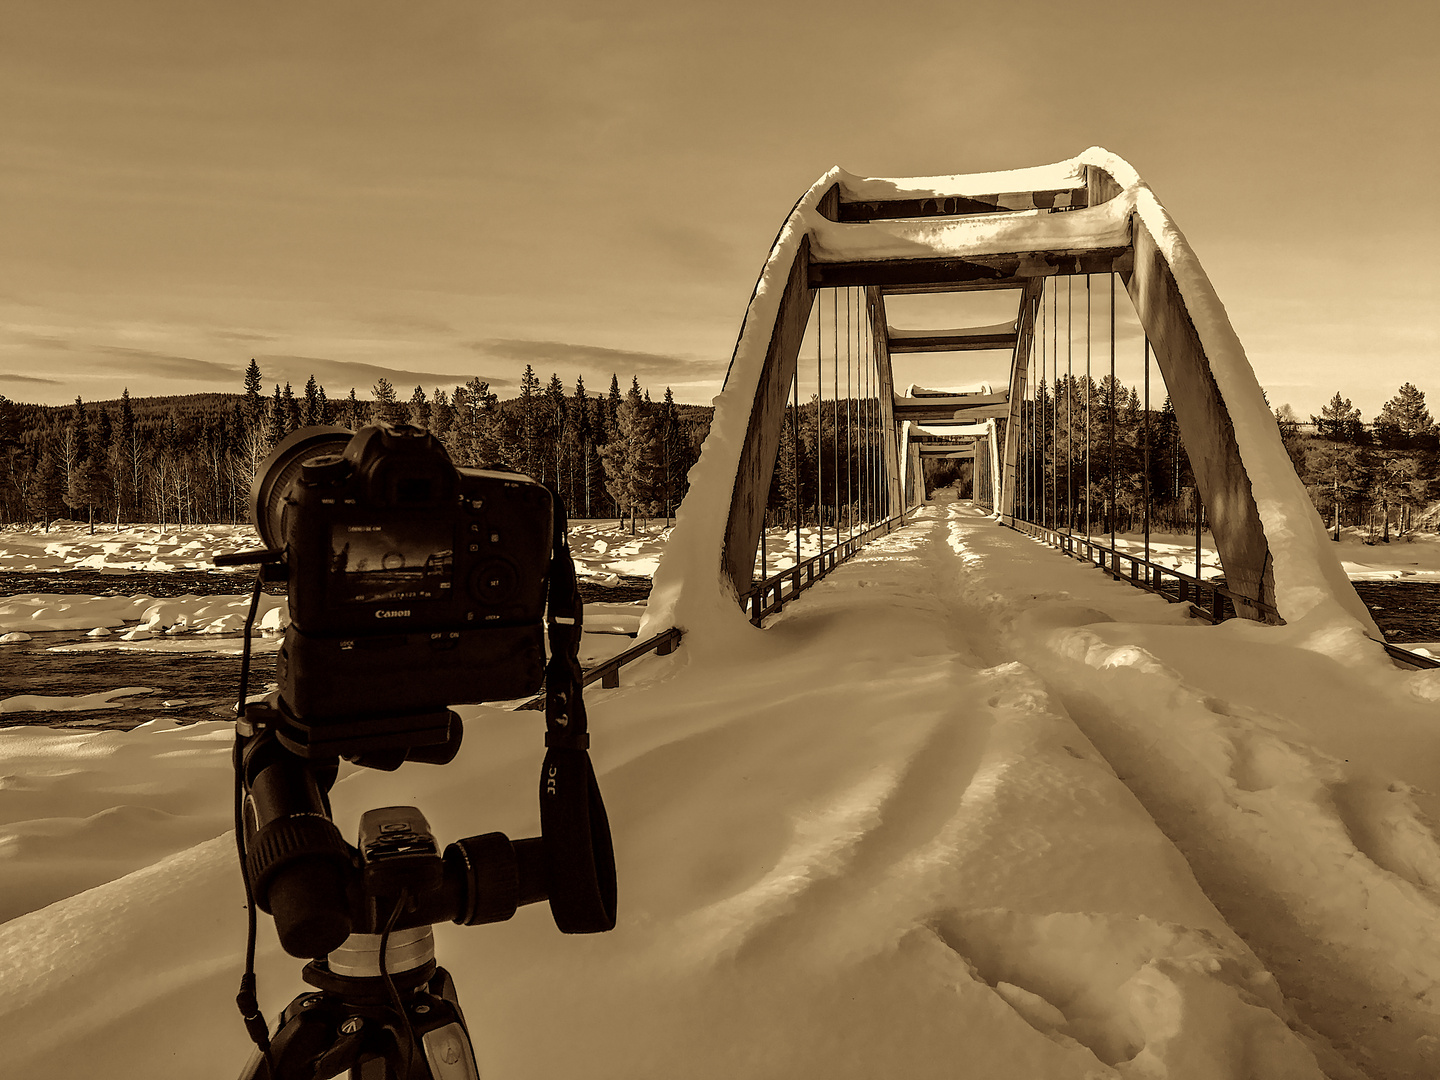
168	365
6	377
240	335
599	358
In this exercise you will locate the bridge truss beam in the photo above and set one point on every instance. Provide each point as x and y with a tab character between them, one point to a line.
852	233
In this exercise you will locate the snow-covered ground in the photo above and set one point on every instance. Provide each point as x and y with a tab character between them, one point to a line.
966	808
600	546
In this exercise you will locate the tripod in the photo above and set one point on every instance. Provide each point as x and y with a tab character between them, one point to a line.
406	1027
384	1010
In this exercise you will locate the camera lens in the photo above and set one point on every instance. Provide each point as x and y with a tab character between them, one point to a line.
281	469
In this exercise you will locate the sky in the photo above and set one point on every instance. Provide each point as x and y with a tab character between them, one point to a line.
437	191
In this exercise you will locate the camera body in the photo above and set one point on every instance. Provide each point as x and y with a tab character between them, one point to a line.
413	585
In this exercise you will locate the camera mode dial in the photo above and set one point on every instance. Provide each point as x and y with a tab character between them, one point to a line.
325	469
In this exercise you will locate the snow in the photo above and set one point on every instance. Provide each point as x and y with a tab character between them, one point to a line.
1106	225
969	388
965	807
1006	327
73	703
69	544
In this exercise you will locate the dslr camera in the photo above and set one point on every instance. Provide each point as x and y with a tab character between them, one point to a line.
413	585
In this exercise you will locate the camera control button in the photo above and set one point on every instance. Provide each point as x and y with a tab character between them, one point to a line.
494	581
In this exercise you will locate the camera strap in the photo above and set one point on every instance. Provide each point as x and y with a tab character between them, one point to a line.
579	854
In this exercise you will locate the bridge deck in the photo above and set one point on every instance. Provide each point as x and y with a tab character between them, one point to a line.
913	751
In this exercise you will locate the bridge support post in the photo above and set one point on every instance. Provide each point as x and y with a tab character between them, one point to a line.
762	436
875	305
1205	425
1024	334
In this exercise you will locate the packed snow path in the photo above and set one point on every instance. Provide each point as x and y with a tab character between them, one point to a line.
875	840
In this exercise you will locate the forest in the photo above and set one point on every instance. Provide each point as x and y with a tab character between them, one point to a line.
191	459
1378	476
1093	447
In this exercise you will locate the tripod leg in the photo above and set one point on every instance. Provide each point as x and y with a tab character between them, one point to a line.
442	1041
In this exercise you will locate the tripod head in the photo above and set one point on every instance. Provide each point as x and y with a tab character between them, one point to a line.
320	889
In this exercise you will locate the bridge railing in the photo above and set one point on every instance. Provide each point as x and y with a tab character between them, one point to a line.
771	594
1208	600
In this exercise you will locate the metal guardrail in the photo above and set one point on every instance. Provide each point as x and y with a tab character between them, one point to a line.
1187	589
607	672
1207	599
1409	659
770	595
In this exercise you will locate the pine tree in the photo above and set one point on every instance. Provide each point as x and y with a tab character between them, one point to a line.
612	405
254	404
49	485
441	414
670	453
88	486
311	412
1404	419
275	418
1339	421
556	415
630	456
1336	470
122	458
292	410
529	389
418	411
387	408
354	412
82	431
580	429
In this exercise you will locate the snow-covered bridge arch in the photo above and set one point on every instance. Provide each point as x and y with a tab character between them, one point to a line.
988	231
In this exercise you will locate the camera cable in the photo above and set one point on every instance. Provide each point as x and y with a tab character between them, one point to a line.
246	1000
390	983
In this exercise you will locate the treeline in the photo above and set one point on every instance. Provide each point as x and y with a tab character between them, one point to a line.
830	465
191	459
1381	476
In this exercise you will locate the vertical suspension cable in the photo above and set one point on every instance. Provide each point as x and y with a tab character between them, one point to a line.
1028	399
795	453
1054	405
1069	405
837	411
867	426
849	453
1044	409
1147	459
819	457
1114	491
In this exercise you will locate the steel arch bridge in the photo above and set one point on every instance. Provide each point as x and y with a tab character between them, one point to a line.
1025	231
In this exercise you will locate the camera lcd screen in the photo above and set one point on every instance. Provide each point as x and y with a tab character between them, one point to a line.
395	561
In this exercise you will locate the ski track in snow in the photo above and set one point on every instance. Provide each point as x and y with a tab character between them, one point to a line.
879	838
1327	869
